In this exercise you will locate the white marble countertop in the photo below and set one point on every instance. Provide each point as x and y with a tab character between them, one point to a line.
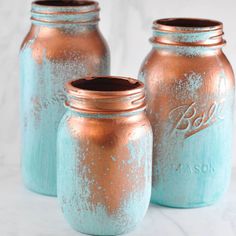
23	213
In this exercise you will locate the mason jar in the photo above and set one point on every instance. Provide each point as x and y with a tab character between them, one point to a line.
190	96
104	150
64	42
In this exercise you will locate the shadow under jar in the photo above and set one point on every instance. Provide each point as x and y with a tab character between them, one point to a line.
190	95
104	153
64	42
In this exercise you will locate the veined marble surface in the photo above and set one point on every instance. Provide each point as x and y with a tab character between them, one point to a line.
23	213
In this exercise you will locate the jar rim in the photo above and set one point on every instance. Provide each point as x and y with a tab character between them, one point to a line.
188	32
89	86
65	12
105	95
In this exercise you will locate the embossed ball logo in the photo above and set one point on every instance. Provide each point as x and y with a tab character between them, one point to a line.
188	119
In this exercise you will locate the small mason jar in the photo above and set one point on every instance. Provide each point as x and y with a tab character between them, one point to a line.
64	42
104	150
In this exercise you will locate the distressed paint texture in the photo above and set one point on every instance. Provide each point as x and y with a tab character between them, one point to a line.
181	38
195	170
42	106
190	97
192	148
103	189
184	51
188	37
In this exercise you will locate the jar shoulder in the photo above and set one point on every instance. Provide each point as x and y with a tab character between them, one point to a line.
58	43
81	127
160	62
166	68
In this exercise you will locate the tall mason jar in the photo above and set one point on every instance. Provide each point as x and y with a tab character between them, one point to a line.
64	42
104	155
190	94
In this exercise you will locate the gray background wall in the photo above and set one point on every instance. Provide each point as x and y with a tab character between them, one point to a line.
126	24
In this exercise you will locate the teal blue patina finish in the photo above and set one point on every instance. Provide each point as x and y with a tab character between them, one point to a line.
185	51
53	53
183	37
104	164
74	186
194	169
190	96
186	41
68	18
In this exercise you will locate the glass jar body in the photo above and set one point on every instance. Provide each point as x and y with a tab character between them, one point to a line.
190	97
51	55
104	171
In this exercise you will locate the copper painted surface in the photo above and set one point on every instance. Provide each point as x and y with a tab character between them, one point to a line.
64	42
190	94
104	154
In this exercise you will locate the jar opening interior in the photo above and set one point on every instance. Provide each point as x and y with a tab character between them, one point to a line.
106	84
184	22
72	3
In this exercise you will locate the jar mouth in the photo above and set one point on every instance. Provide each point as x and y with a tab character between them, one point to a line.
188	32
188	24
106	84
65	12
73	3
105	94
